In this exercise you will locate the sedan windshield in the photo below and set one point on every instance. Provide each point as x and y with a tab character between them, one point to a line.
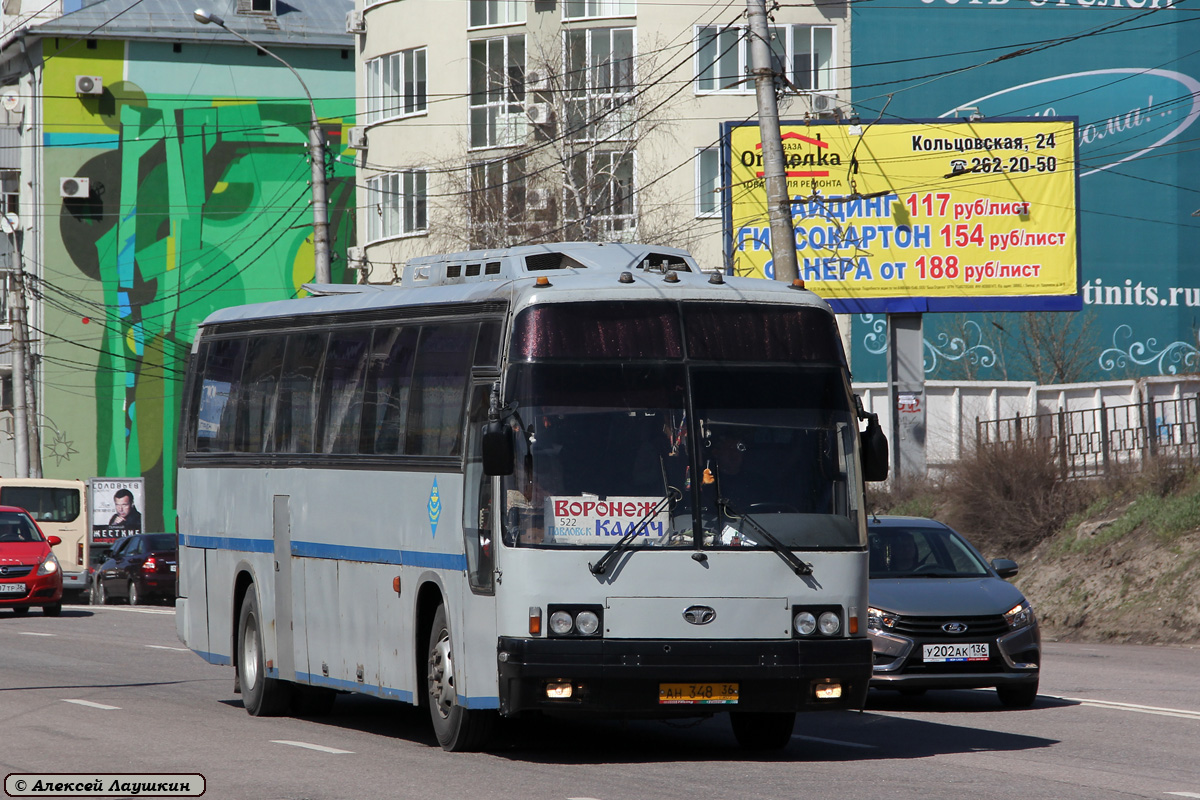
17	527
922	552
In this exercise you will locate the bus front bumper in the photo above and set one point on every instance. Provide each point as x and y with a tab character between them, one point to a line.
627	677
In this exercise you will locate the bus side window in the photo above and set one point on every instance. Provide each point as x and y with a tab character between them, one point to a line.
389	380
222	370
296	409
342	390
256	399
439	389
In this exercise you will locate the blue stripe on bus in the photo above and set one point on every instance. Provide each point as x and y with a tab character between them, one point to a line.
478	702
214	658
227	543
336	552
353	686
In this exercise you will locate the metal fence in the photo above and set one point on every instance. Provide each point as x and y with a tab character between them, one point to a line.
1090	442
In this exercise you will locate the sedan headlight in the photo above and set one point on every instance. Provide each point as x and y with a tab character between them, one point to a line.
1020	615
49	566
878	619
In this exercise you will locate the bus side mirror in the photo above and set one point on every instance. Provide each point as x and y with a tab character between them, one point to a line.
498	451
874	451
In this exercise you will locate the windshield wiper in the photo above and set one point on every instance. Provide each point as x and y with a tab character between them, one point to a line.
622	544
798	566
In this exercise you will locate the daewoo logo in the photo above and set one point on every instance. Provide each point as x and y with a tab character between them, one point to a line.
1121	109
954	627
699	615
804	156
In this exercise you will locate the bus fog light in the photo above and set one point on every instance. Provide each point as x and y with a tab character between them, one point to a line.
829	691
558	690
805	623
561	623
829	623
587	622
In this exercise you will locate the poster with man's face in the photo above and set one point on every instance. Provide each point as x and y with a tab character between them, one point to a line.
117	505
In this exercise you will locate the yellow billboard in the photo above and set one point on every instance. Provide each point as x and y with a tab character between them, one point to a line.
964	215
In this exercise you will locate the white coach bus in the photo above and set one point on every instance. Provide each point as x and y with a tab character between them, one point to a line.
576	478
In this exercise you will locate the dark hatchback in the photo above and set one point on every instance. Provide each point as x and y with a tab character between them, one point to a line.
942	617
138	568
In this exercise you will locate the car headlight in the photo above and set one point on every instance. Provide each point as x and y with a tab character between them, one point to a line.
878	619
49	566
1020	615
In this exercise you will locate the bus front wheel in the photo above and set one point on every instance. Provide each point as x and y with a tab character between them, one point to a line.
262	696
458	729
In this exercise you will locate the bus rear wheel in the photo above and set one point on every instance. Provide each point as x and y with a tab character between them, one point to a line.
762	730
458	729
262	696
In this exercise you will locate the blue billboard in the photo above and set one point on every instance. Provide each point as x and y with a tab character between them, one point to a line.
1129	72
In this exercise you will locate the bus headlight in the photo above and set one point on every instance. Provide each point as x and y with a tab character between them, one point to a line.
805	623
588	622
829	623
561	623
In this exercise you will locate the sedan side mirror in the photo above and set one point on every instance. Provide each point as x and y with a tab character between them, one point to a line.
1005	568
54	541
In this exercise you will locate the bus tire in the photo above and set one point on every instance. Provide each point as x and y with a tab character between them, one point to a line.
262	696
458	729
762	730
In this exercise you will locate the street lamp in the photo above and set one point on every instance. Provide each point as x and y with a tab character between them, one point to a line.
316	149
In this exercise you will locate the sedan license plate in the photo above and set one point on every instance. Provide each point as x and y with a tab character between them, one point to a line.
697	693
975	651
12	588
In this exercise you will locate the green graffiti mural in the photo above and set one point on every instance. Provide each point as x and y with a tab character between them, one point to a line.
196	202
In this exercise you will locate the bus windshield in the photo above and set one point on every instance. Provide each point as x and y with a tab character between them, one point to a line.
605	449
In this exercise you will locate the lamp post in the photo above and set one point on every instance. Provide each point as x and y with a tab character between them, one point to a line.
316	150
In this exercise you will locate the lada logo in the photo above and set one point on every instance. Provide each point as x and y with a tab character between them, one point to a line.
699	615
955	627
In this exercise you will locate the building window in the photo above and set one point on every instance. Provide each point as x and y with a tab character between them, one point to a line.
600	201
396	85
497	203
496	12
708	182
804	54
498	92
396	205
591	9
10	191
600	84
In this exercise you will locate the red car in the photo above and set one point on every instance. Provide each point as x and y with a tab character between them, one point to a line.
29	572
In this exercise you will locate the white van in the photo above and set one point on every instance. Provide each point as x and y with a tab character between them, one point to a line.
60	508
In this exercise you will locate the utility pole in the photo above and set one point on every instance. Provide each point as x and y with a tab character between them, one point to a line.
779	201
16	286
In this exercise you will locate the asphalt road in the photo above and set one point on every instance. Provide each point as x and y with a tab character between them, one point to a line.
111	690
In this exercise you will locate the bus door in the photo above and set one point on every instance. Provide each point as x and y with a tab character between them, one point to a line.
478	495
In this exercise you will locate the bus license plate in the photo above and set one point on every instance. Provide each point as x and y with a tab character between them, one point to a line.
976	651
12	588
697	693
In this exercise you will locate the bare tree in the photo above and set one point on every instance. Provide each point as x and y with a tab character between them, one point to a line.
1053	347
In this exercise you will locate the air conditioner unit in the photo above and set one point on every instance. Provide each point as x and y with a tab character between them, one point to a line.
356	137
537	199
823	102
74	188
89	84
537	80
355	22
540	113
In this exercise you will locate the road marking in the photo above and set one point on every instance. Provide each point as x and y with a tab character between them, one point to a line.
31	633
90	704
128	610
164	647
1183	794
834	741
307	746
1181	713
